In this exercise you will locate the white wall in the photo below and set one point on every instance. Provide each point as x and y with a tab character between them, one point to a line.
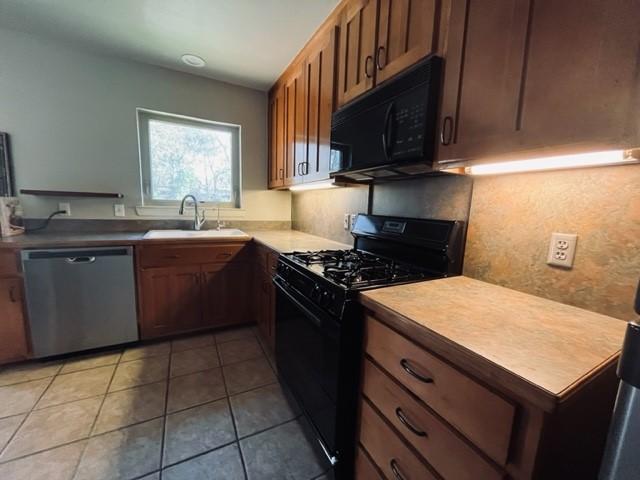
71	116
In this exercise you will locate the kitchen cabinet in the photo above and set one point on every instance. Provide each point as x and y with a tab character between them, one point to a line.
356	69
184	288
14	344
276	139
538	78
380	39
171	300
407	32
300	116
224	293
319	95
295	134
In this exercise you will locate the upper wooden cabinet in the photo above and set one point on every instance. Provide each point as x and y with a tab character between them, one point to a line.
320	100
533	78
407	31
380	39
294	131
276	139
356	69
300	111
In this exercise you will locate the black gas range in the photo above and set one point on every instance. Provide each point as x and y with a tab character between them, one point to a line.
319	321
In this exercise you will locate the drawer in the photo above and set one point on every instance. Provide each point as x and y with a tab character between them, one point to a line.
169	255
364	469
480	414
387	450
451	456
9	264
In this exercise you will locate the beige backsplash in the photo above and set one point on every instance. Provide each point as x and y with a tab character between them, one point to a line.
510	223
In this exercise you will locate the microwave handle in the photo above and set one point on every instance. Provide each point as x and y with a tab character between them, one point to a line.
386	131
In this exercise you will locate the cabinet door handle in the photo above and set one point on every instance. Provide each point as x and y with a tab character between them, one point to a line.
12	294
405	421
404	363
379	64
305	168
396	471
282	174
366	66
446	134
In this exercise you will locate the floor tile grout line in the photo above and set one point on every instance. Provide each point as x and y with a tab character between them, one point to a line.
233	419
26	416
166	406
93	424
237	441
104	395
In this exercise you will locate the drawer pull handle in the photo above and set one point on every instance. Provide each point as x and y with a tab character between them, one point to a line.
396	471
402	417
224	255
172	256
405	364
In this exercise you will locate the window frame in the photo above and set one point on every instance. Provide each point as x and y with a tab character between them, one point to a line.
143	116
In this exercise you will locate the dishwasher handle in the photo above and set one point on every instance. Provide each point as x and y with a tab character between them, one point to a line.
80	260
77	255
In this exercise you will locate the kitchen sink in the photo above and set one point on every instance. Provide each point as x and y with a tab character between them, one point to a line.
222	233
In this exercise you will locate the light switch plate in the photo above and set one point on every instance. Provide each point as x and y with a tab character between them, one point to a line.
562	249
118	210
345	221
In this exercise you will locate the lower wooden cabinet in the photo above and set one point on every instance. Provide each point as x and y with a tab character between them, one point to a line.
225	289
171	300
176	298
265	304
13	334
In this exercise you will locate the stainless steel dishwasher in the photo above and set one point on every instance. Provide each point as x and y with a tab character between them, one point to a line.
80	298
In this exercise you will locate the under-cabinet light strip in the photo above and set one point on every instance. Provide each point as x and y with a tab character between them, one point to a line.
593	159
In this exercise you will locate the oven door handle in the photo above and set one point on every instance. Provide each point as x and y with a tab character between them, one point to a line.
311	315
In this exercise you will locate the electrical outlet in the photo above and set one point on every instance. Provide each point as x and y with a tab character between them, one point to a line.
352	220
562	249
66	207
345	221
118	210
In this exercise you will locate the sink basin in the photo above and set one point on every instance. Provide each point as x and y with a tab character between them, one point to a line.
222	233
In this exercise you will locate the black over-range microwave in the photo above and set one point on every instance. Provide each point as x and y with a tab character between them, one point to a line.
390	131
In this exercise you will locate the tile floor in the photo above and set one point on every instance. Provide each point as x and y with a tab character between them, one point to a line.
202	407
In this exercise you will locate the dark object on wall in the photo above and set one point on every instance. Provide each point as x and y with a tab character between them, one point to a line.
7	188
68	193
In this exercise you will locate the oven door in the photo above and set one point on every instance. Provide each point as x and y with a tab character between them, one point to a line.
307	355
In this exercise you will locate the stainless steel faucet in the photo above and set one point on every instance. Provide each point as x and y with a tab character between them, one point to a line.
198	221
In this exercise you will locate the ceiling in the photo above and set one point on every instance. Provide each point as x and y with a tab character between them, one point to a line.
246	42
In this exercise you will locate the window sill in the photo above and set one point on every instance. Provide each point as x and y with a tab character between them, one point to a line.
172	212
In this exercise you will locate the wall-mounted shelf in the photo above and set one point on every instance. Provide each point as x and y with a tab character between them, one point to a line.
64	193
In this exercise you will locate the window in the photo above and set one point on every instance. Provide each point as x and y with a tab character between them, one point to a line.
181	156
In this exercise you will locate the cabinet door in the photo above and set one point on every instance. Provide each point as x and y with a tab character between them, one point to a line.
320	88
407	31
357	44
171	300
13	335
226	287
480	108
582	73
295	141
276	139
